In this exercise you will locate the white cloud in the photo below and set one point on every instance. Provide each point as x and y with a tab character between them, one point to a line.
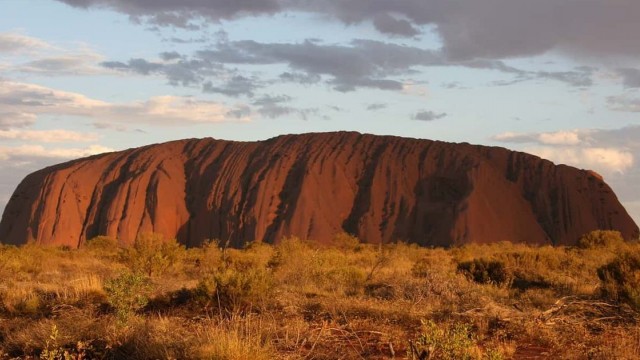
560	138
606	151
31	98
24	54
16	120
15	43
167	110
64	64
418	90
511	137
605	160
16	97
624	103
27	153
633	207
19	161
571	137
47	136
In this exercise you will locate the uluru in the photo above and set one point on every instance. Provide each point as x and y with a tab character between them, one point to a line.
380	188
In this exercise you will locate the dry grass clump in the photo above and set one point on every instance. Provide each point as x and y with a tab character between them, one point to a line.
299	299
245	338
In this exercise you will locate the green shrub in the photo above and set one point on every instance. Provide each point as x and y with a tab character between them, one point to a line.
351	280
102	244
484	271
295	263
291	250
26	260
127	294
455	342
254	255
600	239
152	254
236	291
523	280
211	259
421	268
54	350
380	291
30	305
345	242
621	279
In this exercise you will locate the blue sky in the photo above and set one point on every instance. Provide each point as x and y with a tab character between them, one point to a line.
557	78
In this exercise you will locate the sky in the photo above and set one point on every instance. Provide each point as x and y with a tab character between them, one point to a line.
556	78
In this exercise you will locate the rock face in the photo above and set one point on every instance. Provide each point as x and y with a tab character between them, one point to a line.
313	186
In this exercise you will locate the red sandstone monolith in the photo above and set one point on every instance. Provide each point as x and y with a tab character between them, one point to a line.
379	188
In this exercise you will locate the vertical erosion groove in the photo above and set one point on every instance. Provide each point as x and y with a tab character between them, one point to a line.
363	196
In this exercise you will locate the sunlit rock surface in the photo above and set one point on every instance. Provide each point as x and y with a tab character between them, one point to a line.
313	186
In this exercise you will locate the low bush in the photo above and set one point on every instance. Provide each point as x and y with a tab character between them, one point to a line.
380	291
345	242
296	264
349	280
484	271
102	244
235	291
127	293
453	342
422	268
28	260
600	239
54	350
621	279
152	254
210	257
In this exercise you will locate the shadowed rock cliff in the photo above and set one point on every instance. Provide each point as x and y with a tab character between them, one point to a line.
313	186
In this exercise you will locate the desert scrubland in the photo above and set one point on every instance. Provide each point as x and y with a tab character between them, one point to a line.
300	300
